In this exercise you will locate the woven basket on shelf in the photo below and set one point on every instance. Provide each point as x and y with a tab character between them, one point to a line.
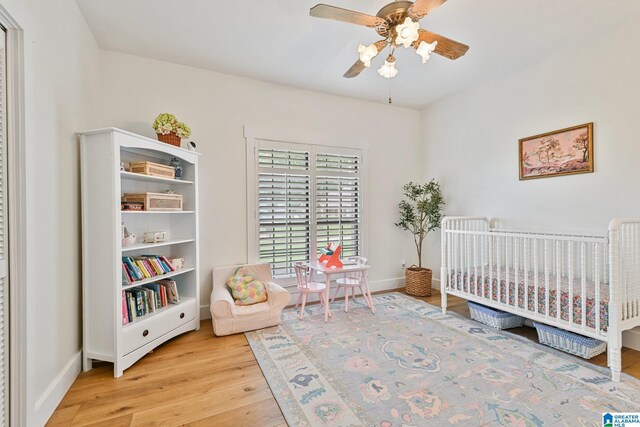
418	281
170	138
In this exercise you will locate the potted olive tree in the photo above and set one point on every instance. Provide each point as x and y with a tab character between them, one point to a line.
420	213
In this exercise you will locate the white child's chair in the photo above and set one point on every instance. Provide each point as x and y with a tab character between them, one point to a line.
351	281
306	287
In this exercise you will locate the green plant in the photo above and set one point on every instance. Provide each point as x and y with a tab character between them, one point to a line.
421	212
167	123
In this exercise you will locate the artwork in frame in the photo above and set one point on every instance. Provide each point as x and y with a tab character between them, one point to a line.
562	152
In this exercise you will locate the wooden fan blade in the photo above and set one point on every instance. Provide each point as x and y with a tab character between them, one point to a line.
339	14
446	47
358	66
355	69
421	8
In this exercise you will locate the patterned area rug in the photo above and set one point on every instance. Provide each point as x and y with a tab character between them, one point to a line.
409	365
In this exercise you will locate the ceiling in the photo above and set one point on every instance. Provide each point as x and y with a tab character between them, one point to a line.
277	41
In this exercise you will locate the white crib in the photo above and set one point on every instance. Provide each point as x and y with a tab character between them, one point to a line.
585	284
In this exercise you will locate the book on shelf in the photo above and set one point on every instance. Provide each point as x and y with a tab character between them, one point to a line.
144	267
172	291
125	312
142	300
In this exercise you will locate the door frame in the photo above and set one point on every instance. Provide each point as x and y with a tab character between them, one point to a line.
16	194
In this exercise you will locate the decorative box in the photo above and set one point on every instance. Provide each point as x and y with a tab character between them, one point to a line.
152	169
495	318
132	206
569	342
156	201
155	236
177	263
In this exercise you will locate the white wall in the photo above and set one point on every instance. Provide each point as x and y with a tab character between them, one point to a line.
61	62
470	141
217	106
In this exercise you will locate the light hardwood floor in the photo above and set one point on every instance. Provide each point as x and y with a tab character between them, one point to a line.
202	380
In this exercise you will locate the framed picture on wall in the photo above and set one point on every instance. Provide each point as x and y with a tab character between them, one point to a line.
562	152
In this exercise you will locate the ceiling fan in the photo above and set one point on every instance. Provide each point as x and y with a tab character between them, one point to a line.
398	23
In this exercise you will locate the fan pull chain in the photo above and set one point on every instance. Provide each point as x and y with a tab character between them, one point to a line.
392	50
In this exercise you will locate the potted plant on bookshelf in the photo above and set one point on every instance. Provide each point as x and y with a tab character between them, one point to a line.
169	129
420	213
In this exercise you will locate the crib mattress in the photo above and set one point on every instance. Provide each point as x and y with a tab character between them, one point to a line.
487	288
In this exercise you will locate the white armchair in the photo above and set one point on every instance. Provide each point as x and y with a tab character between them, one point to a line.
229	318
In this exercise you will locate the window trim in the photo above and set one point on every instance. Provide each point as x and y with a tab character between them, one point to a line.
299	140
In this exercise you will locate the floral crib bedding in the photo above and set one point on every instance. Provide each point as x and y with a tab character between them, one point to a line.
459	281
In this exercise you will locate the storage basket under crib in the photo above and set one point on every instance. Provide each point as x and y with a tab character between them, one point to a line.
569	342
495	318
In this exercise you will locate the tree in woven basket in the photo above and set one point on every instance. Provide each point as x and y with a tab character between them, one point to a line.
421	211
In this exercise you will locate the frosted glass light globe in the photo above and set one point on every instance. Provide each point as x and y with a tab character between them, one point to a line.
388	70
424	50
407	32
367	53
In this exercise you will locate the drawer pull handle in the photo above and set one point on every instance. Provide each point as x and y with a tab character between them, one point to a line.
182	315
145	333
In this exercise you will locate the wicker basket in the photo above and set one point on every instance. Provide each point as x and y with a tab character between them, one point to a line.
170	138
569	342
156	201
153	169
418	281
495	318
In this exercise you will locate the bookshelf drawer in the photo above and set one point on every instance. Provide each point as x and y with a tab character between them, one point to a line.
135	336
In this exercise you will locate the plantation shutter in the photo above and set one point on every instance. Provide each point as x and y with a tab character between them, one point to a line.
284	209
307	197
4	279
338	195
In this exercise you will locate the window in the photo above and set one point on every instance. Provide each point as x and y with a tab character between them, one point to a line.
307	197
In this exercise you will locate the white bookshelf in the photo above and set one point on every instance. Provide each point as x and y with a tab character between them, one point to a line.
105	338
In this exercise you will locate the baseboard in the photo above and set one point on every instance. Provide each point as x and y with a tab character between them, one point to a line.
631	338
374	285
52	396
205	312
386	284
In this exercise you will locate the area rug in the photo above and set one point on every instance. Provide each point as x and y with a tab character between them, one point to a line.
410	365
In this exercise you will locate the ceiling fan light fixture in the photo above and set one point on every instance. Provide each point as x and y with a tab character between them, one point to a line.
424	49
367	53
407	32
388	69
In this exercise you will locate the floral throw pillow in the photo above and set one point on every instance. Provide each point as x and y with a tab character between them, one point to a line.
245	290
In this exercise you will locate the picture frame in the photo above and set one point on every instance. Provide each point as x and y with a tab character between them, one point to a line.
567	151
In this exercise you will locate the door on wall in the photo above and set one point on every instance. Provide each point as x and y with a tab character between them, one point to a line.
4	265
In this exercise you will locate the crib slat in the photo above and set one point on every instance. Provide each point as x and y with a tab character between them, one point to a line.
570	267
483	256
583	285
456	254
636	270
623	278
596	262
507	269
516	275
558	257
449	271
498	270
526	273
475	264
547	295
491	249
468	258
536	273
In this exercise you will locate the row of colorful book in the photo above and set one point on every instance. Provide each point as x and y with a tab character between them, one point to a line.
143	300
144	267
